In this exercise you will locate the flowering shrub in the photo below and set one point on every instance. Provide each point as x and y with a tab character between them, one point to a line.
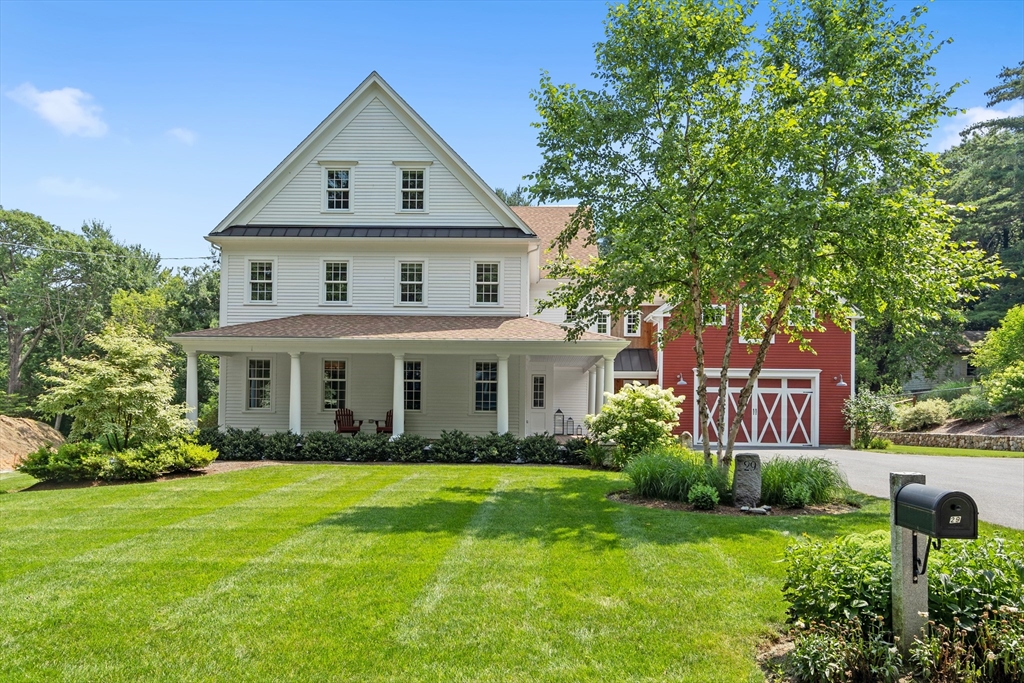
637	418
868	410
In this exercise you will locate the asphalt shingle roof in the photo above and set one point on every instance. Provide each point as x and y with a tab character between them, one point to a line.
547	222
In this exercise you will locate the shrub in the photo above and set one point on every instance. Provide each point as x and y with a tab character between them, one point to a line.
326	446
636	418
796	495
1003	346
842	579
187	455
406	447
239	445
929	413
83	461
879	444
866	411
597	455
454	446
539	448
823	478
971	407
845	651
994	652
369	447
576	451
702	497
968	577
137	464
670	472
282	446
497	448
212	437
1005	389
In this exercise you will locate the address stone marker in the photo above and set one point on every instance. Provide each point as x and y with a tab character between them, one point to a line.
746	481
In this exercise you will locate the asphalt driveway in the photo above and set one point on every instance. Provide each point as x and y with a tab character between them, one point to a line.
996	484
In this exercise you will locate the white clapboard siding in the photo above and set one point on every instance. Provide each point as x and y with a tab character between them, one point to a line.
571	393
375	139
539	291
447	401
372	281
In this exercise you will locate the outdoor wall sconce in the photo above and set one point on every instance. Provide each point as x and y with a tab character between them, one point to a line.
681	382
839	381
559	423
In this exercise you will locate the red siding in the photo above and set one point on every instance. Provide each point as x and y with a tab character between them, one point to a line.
832	357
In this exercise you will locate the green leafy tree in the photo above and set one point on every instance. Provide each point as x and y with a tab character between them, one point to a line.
517	197
787	177
1004	345
121	394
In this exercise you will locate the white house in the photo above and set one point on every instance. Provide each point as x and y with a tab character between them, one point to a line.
374	270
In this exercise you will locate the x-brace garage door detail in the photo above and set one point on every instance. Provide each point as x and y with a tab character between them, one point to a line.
782	411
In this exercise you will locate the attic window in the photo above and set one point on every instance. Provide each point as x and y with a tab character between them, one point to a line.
413	189
338	186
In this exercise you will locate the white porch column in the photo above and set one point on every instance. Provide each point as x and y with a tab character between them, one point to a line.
592	391
599	385
192	386
502	394
295	394
398	397
609	374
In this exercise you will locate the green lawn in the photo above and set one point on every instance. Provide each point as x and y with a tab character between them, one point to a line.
386	573
959	452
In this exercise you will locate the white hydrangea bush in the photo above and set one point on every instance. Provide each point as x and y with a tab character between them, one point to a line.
637	418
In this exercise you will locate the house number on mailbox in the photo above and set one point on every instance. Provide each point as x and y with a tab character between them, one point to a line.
955	520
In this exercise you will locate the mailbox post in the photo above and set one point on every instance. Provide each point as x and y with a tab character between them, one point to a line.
918	514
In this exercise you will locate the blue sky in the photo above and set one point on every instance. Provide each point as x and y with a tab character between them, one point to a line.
158	118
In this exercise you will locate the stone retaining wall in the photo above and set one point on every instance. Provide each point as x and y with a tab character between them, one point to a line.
979	441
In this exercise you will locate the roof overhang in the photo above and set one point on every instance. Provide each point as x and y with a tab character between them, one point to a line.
244	345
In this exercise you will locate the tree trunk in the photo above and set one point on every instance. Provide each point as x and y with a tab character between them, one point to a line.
698	349
762	352
723	385
18	349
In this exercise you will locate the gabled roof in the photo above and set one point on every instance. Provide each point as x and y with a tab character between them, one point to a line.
372	86
547	222
395	328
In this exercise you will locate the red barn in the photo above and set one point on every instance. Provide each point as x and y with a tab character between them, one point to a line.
798	397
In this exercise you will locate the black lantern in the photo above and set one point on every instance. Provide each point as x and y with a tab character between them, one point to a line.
579	430
570	427
559	423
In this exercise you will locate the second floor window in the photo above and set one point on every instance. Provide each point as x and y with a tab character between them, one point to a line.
413	188
337	189
261	281
336	282
631	327
487	283
410	283
603	324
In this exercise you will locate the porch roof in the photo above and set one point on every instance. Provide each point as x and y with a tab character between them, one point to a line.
436	328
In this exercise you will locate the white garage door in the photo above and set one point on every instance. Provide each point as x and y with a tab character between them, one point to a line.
783	410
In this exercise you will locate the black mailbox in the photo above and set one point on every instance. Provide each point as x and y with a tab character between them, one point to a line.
936	512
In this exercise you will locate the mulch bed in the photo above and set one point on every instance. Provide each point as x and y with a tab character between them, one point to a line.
630	498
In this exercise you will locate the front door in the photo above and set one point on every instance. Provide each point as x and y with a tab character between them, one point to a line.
539	393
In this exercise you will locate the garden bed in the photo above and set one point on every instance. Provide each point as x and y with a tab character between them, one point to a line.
630	498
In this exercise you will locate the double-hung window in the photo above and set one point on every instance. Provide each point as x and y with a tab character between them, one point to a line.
603	324
714	315
631	326
338	186
261	281
258	384
414	187
486	386
413	387
335	384
335	282
538	391
486	284
410	282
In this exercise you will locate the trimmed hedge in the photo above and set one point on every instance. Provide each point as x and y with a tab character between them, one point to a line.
88	461
451	447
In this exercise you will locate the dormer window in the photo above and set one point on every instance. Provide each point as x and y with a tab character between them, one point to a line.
413	189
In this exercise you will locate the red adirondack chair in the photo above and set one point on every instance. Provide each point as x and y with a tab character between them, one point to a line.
385	428
344	424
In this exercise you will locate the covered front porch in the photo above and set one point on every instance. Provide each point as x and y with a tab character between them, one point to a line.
487	375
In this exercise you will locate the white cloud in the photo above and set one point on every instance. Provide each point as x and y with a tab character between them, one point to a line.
75	189
948	133
68	109
184	135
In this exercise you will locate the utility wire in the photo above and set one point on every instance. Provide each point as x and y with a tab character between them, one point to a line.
108	255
